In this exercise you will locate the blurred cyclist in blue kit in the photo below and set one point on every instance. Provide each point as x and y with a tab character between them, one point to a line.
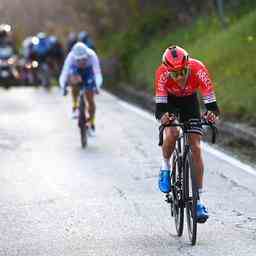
82	72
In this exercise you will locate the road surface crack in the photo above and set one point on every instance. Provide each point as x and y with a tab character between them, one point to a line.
120	192
237	185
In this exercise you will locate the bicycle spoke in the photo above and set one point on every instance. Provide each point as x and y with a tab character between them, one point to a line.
191	199
177	205
82	123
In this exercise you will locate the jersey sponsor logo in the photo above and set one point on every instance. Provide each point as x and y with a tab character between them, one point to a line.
163	80
203	76
161	99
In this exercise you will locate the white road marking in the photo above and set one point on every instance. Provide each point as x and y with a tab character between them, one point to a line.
223	156
235	162
137	110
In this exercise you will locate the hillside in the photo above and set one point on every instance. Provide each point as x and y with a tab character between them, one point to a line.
229	55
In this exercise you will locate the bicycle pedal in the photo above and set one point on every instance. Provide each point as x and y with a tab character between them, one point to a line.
168	199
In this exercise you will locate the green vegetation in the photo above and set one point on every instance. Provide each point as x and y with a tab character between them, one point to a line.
229	55
127	44
149	58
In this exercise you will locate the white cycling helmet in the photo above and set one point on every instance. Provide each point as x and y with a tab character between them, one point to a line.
80	51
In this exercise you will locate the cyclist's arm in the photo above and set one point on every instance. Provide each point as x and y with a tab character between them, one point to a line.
206	88
63	79
96	69
161	94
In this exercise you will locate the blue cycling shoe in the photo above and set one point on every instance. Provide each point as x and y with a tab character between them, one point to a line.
201	213
164	181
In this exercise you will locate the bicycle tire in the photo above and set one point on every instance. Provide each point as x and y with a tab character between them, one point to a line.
44	75
82	122
177	203
83	137
191	196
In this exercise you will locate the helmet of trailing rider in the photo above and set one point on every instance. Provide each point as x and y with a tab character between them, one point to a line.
175	58
5	27
80	51
82	36
3	31
53	39
72	36
41	36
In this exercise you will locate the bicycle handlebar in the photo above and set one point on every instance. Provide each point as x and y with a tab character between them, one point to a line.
186	126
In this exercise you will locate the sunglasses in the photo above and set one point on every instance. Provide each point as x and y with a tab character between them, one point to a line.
175	74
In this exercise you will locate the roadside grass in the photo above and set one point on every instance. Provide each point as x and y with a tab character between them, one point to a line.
229	54
144	66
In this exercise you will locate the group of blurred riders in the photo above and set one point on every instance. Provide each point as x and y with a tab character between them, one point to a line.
42	58
38	60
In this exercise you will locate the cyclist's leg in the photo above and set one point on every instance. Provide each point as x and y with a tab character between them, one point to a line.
75	96
191	110
89	98
195	142
170	133
74	82
170	136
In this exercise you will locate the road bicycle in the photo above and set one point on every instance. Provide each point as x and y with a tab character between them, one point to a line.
82	122
184	191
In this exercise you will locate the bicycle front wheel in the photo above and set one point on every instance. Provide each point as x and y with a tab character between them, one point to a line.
177	198
82	122
191	196
83	136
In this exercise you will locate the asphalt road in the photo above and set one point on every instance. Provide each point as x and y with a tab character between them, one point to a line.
57	199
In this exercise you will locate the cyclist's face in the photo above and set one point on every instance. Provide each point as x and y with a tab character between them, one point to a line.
82	63
179	75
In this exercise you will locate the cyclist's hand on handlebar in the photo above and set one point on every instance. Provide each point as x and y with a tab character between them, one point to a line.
210	117
167	118
64	92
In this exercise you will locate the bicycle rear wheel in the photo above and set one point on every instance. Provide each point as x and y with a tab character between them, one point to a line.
82	122
83	137
191	196
177	197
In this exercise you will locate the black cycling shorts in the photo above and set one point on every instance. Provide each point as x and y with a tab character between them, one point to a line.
186	108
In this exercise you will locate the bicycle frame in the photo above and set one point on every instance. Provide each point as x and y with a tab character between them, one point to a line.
184	193
82	121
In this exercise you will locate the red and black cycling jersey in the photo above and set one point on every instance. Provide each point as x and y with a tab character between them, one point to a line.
198	79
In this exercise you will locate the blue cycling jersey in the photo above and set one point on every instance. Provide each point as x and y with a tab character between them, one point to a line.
91	74
87	75
42	49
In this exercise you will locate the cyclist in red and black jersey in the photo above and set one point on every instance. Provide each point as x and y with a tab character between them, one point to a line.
177	81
